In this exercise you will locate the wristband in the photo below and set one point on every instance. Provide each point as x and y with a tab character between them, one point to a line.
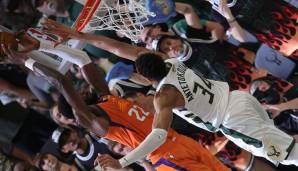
231	21
29	63
123	162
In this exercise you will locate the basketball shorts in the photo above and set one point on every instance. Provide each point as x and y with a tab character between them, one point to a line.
181	153
248	125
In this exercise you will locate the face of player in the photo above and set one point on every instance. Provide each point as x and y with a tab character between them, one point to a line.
49	163
150	33
144	101
172	47
121	149
61	119
264	86
49	7
267	94
72	143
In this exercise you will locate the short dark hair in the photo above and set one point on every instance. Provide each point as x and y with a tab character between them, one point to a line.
63	138
64	108
151	66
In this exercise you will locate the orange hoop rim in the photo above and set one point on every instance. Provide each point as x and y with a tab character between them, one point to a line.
86	14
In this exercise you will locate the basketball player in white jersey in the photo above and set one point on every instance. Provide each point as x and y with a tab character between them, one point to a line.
238	115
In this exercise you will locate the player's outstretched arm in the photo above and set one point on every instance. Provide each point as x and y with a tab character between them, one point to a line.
63	84
164	102
118	48
80	58
95	77
236	30
192	19
275	110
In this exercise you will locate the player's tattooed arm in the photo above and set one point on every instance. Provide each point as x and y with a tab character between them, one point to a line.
63	84
95	77
164	103
116	47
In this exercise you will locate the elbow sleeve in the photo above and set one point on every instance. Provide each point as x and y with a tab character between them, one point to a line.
152	142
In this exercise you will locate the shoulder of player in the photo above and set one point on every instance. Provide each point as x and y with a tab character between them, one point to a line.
97	110
115	103
166	94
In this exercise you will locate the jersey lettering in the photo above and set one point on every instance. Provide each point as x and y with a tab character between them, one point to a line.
139	112
182	82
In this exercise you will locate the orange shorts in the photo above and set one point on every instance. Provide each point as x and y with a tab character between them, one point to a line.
184	154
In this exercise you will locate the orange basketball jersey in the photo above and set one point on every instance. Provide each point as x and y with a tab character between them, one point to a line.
130	124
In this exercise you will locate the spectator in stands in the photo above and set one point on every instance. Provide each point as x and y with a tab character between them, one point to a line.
23	131
280	105
83	146
49	162
21	14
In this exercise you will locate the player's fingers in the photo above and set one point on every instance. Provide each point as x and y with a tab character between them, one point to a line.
55	24
61	41
107	164
104	164
103	158
96	162
6	51
10	51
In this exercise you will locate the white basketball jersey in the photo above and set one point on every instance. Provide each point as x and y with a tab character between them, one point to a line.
206	99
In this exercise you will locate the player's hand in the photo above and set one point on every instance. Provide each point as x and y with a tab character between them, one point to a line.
29	43
106	161
19	56
83	119
225	10
13	56
273	110
259	73
61	30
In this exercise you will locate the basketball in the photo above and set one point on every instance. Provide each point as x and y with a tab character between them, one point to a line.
7	39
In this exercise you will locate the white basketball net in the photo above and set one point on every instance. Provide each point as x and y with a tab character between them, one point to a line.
127	18
215	4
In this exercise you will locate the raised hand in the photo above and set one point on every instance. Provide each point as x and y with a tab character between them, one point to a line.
61	30
19	56
105	161
225	10
273	110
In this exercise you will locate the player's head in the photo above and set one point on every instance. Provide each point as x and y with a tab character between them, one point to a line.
173	46
144	100
52	7
265	91
67	139
62	113
151	66
47	162
119	148
151	32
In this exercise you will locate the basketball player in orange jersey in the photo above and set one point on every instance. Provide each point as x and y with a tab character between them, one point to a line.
127	123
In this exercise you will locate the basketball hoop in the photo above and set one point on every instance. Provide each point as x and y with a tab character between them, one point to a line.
125	16
215	4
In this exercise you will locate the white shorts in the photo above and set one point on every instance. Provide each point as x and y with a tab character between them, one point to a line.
248	125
